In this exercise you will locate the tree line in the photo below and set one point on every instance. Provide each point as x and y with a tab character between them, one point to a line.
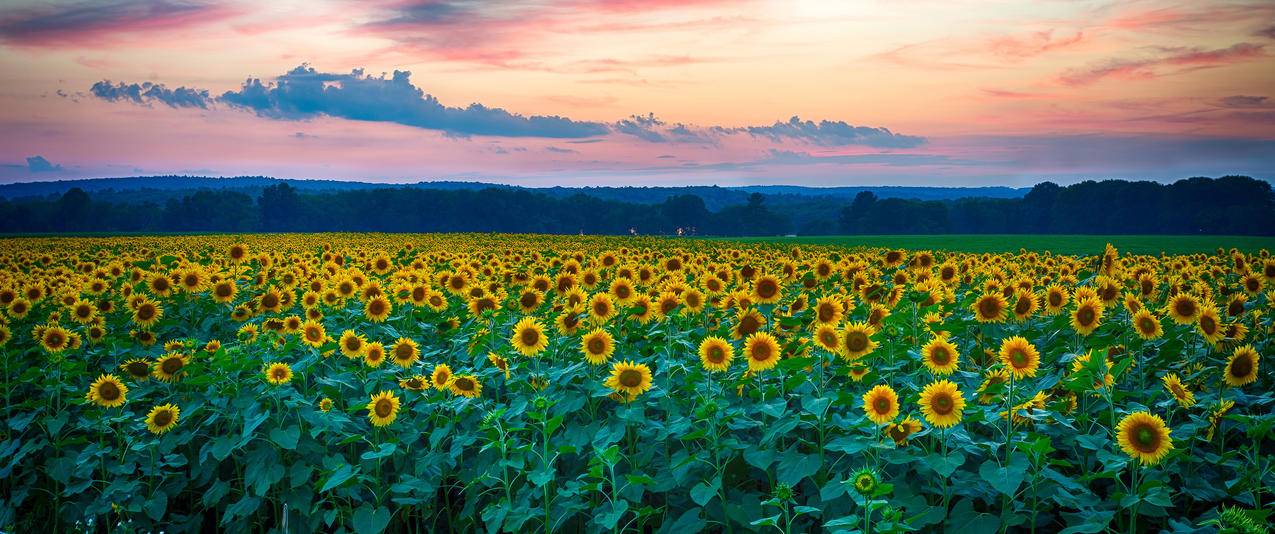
1229	205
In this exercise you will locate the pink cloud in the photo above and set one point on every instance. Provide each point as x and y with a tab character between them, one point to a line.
96	25
1172	61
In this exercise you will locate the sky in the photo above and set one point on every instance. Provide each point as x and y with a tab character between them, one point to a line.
639	92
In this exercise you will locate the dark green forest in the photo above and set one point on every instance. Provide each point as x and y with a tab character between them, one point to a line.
1232	205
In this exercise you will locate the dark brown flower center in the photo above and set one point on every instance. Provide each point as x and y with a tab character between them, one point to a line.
630	378
108	391
529	336
384	408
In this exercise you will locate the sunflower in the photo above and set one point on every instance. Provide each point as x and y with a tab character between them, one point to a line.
170	367
278	373
597	346
990	308
107	391
1024	304
857	372
83	312
374	354
762	350
465	386
1056	298
629	379
1183	308
405	352
138	369
55	339
1215	417
766	289
865	481
529	337
499	362
881	404
715	354
942	403
442	376
1147	325
900	431
1180	392
325	405
377	309
749	321
414	383
162	418
383	409
828	338
856	340
1020	357
641	309
1210	325
1241	367
622	290
352	344
1087	316
828	310
313	334
940	356
1144	437
601	307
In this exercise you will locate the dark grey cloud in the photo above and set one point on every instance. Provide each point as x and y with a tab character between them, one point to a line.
39	164
304	93
1267	32
48	23
561	150
830	133
1245	101
147	92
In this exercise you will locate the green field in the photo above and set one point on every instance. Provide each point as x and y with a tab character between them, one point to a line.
1058	244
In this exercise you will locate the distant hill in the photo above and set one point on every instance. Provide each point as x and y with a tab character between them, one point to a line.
138	189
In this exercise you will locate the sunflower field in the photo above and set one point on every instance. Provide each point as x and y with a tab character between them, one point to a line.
520	383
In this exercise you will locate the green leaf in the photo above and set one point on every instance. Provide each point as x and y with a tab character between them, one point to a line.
794	466
368	520
759	457
1005	479
342	474
689	521
704	492
253	422
609	514
385	449
286	437
156	506
766	521
945	466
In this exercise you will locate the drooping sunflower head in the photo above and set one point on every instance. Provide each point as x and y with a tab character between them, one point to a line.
107	391
900	431
940	356
1144	437
881	404
162	418
629	378
499	362
762	350
278	373
597	346
1020	357
466	386
529	337
383	408
1181	393
137	368
990	308
1241	367
414	383
715	354
942	403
